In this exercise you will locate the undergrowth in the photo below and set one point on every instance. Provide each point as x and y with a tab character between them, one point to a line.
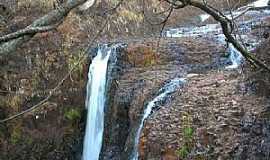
188	137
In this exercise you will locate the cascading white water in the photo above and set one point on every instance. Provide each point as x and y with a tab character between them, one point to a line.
239	11
214	29
95	102
164	92
260	3
235	57
204	17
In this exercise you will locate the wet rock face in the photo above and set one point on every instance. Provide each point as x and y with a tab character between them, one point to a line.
255	141
261	80
116	114
216	116
142	72
223	119
229	120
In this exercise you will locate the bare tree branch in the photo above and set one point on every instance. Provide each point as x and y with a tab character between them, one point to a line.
166	20
27	31
115	7
87	5
52	18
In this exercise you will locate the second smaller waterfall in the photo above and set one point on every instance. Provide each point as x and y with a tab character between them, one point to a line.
235	57
163	94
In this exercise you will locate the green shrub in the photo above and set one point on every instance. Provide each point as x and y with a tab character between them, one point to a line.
183	152
15	135
188	134
72	114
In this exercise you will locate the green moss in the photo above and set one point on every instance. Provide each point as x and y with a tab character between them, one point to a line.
183	152
72	114
15	135
188	137
29	140
188	133
225	55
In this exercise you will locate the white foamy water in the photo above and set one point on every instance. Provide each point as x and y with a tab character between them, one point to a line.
235	57
204	17
192	31
259	3
95	103
215	31
164	92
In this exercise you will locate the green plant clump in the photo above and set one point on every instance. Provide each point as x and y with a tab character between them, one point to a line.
72	114
188	140
15	135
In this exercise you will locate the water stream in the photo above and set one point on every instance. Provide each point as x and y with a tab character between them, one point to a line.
260	3
95	103
215	31
163	94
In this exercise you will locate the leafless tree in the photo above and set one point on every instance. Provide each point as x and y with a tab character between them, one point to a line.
9	43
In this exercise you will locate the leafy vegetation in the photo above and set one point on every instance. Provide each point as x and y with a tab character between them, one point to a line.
76	63
188	137
72	114
16	134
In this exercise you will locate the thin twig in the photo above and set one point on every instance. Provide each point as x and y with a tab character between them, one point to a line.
166	20
163	26
159	23
115	7
236	33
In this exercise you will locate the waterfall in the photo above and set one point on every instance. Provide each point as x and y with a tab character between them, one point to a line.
204	17
163	94
260	3
235	57
95	103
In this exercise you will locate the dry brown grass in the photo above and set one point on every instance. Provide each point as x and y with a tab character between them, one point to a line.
41	4
141	56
